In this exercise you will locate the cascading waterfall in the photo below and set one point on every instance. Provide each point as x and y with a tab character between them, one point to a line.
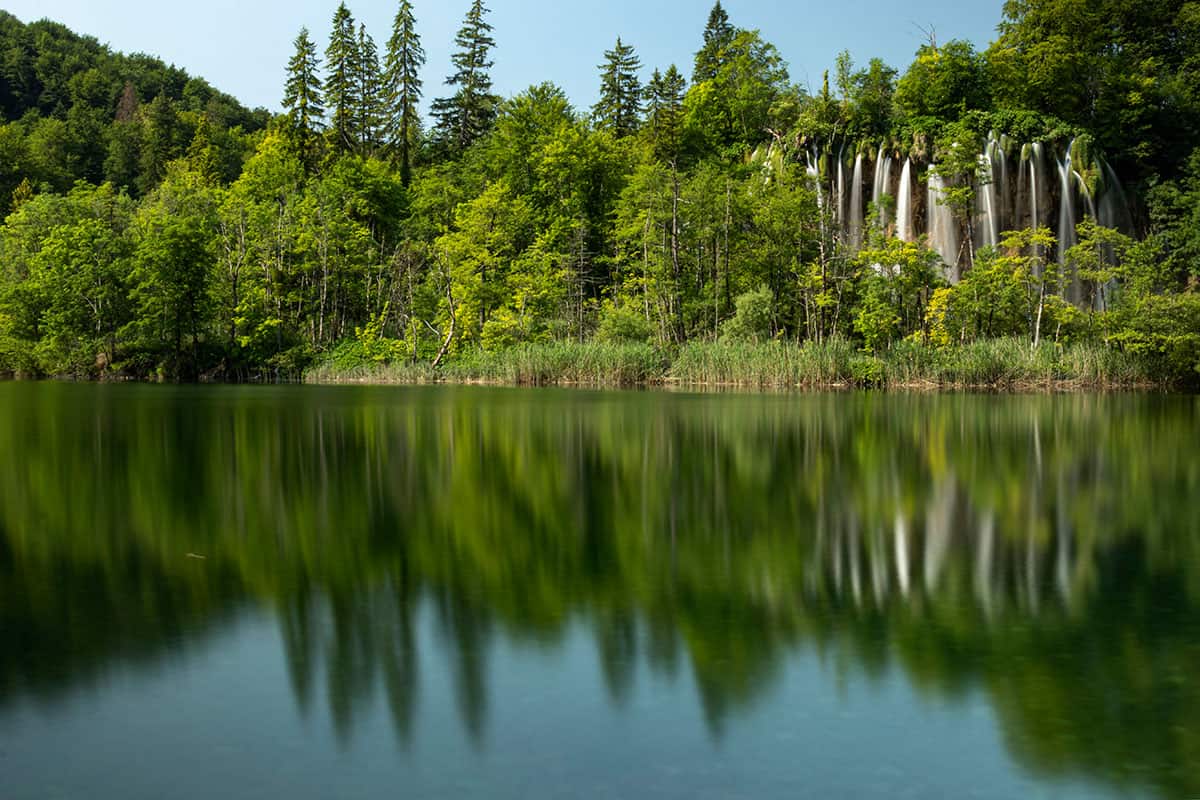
992	191
997	150
1085	185
883	179
1066	208
1037	182
855	229
989	229
841	186
943	230
904	226
813	169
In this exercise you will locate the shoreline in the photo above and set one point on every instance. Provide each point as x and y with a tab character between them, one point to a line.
671	385
997	366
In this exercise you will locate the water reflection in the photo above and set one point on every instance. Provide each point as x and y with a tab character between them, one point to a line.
1042	550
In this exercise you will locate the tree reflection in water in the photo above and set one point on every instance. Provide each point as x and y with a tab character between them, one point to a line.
1043	549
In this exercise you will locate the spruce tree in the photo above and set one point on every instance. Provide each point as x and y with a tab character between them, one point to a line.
341	91
664	112
369	88
620	105
402	79
718	35
468	115
302	99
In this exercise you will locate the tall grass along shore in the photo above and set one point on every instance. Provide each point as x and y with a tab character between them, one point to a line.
995	364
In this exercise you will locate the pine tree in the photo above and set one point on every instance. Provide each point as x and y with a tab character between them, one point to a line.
341	91
302	99
664	112
369	88
620	105
468	115
402	79
718	35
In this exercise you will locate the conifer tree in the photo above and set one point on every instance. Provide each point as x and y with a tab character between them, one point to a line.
369	88
468	115
402	80
341	90
664	112
302	98
718	35
620	105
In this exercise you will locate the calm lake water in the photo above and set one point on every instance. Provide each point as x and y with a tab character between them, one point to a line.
318	593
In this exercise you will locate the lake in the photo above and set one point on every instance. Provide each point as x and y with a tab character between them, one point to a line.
465	592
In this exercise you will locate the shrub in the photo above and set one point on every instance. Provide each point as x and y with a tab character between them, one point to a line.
752	321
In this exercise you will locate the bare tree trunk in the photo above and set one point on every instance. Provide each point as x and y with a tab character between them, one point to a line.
437	362
676	300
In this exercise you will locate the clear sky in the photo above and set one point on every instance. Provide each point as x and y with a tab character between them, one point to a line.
242	46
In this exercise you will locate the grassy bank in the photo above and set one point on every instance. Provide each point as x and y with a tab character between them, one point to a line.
1000	364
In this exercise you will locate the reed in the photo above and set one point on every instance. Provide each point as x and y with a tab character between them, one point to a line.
996	364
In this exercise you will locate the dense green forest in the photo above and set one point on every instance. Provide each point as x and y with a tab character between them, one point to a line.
1046	189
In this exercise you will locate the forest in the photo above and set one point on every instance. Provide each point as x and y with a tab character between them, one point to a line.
1040	197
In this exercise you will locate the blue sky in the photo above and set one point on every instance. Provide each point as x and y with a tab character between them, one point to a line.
242	46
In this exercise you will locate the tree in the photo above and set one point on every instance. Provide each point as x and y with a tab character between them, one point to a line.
664	112
162	142
369	87
719	33
172	265
733	108
302	99
1131	69
341	87
402	80
466	116
944	82
873	99
960	169
620	105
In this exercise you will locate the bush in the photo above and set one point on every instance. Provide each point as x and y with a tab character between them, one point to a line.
752	322
623	324
1164	330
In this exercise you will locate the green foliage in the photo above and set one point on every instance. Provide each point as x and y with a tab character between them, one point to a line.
619	109
303	99
753	321
668	215
623	323
71	109
944	82
403	89
465	117
342	88
1125	71
735	108
1165	331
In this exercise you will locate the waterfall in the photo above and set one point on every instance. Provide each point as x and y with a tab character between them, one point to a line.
813	170
883	179
841	187
1035	185
990	229
1066	222
943	231
1004	211
1066	208
856	205
904	225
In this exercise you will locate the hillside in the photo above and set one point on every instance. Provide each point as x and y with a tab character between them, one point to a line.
72	109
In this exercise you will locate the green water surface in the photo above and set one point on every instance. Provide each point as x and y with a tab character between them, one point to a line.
457	592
